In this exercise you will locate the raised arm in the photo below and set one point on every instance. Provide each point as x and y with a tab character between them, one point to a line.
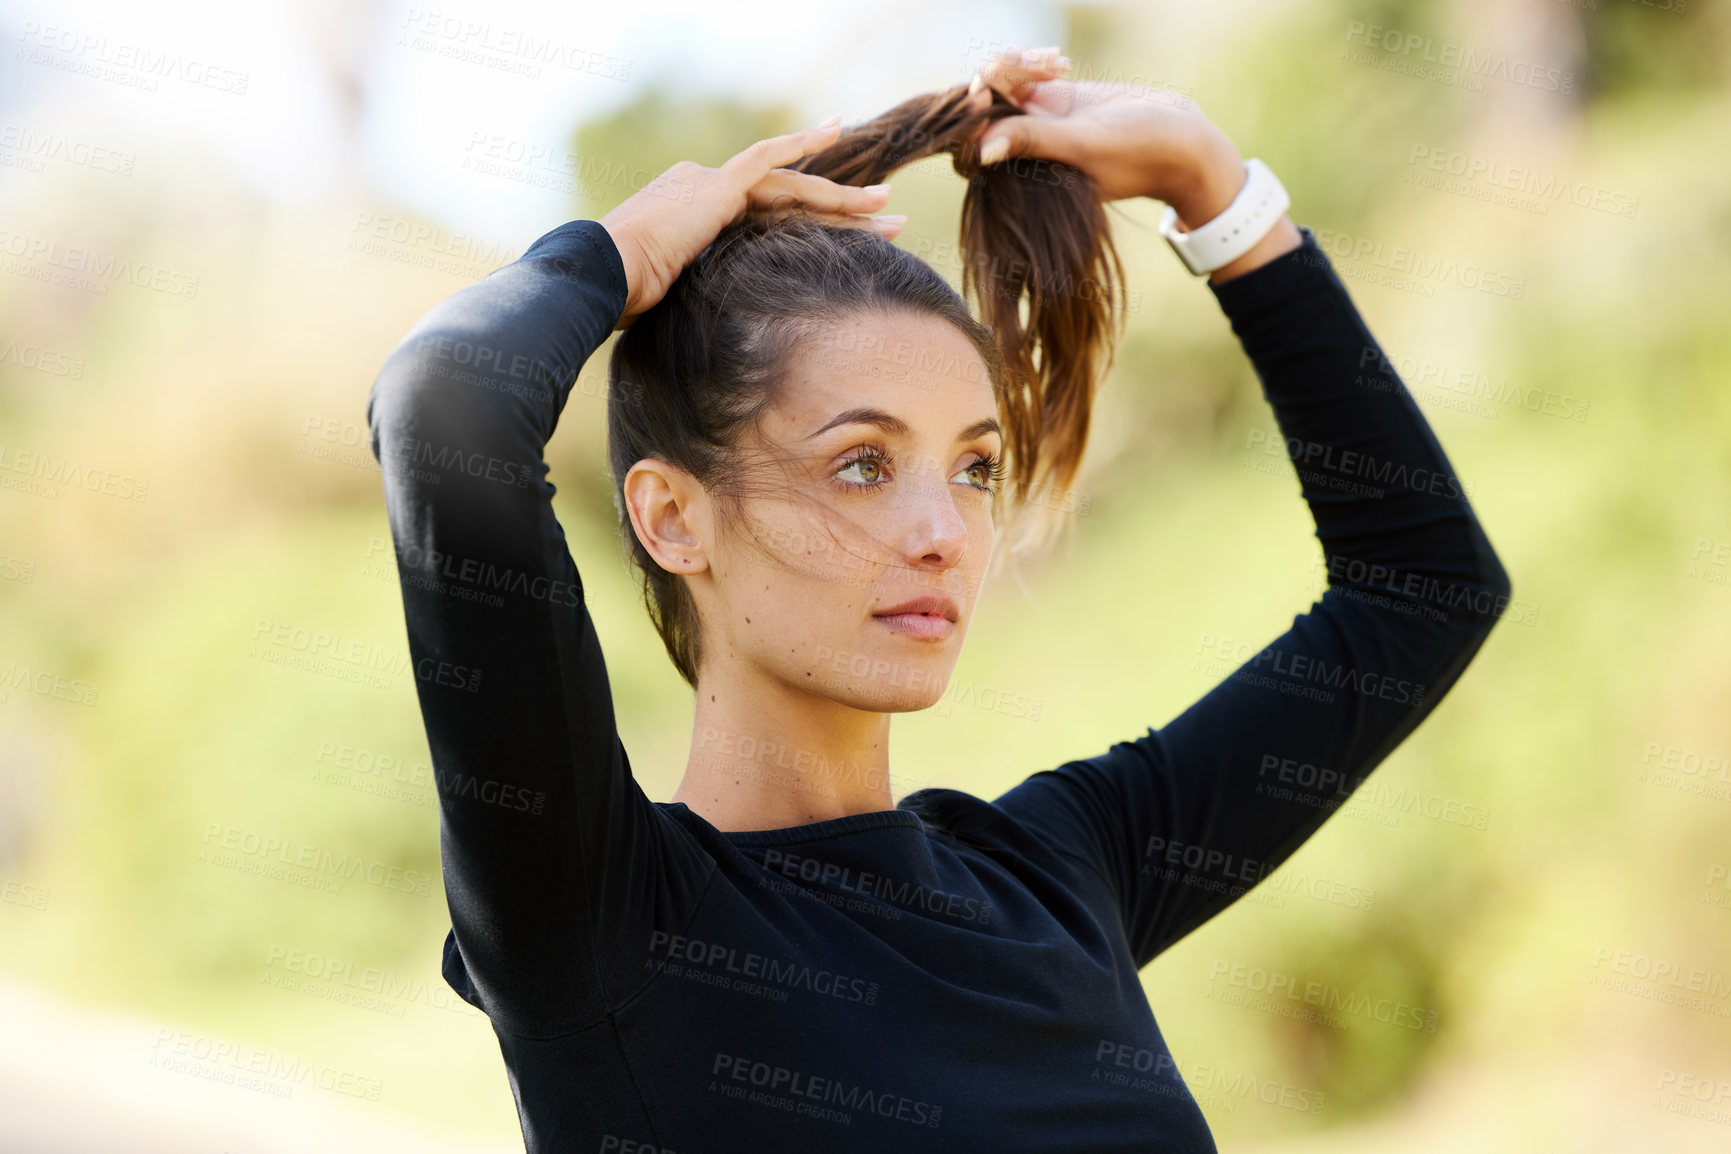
555	862
1180	822
539	815
1183	820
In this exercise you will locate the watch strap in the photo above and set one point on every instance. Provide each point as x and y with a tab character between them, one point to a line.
1256	208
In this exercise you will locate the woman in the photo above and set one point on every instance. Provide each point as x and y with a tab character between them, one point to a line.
808	434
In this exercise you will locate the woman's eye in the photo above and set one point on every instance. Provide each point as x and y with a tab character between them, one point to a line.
981	471
874	466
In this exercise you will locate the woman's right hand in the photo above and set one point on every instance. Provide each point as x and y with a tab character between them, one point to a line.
664	225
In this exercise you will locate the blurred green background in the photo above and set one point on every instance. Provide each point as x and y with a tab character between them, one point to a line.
1542	866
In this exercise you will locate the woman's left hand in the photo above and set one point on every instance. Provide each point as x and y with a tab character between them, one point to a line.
1131	141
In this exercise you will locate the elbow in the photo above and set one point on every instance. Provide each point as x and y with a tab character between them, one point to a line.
1496	577
1494	599
411	389
390	404
400	391
420	396
1489	573
470	383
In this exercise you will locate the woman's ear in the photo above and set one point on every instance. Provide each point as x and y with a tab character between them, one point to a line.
669	512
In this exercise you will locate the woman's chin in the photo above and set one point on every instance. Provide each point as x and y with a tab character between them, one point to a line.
898	687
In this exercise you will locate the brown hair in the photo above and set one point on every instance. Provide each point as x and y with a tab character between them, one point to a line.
695	372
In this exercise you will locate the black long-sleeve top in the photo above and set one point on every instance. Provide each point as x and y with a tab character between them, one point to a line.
953	974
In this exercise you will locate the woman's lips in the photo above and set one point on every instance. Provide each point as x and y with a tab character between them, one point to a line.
923	626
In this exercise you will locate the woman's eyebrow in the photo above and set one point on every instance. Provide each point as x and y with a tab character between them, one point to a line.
980	428
896	427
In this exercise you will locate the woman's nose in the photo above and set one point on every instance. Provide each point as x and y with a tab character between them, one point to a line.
935	530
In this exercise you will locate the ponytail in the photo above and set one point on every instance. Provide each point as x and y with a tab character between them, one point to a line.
1031	228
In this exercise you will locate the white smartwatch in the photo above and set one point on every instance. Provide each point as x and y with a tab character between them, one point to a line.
1236	230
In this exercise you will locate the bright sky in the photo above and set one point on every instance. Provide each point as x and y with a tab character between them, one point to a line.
446	81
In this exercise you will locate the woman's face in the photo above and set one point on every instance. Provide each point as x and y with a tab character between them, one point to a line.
867	488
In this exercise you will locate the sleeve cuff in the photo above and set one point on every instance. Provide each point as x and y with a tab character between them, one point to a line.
1300	270
596	255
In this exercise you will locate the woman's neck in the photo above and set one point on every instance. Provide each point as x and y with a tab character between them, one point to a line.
766	756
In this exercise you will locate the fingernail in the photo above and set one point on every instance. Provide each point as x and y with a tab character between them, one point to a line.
994	150
876	188
825	123
890	221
